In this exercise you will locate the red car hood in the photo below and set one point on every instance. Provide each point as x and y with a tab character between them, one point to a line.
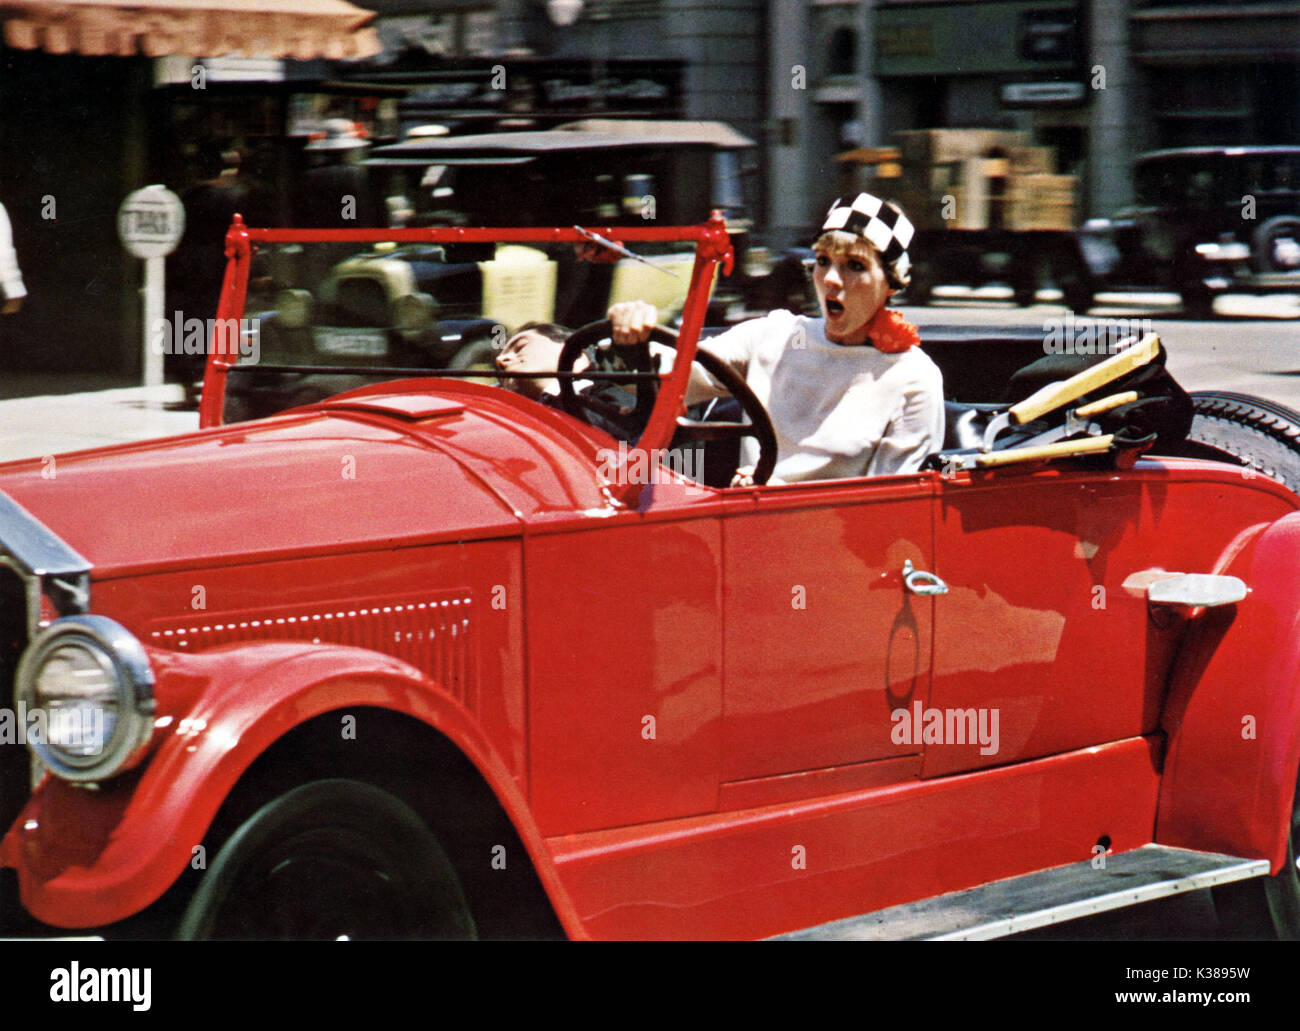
332	478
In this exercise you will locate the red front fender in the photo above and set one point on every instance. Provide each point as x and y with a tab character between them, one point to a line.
1233	713
90	858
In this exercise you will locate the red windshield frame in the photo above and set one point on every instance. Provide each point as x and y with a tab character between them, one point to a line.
712	246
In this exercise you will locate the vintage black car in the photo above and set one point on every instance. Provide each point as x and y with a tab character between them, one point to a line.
1206	221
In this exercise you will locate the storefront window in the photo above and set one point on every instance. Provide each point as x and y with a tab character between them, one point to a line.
843	51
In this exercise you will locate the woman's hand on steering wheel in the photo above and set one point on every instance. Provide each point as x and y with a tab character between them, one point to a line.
635	356
632	322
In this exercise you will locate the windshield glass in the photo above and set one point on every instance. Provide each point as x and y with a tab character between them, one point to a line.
322	318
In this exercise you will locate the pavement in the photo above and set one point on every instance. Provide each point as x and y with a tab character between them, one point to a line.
1248	348
54	423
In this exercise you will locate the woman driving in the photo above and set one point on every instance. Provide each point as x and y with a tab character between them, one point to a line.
850	393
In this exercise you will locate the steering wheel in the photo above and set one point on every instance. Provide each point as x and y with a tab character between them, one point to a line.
615	359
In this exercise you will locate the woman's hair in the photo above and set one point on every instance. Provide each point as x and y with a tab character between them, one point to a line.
837	241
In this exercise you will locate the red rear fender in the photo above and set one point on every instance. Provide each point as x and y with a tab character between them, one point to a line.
1233	710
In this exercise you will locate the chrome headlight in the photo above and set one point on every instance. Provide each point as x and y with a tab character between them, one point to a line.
87	689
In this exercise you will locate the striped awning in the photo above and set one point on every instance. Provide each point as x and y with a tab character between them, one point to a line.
299	29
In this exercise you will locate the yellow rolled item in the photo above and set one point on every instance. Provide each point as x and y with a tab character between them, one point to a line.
1105	404
1044	452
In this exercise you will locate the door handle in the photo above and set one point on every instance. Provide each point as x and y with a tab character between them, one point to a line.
918	581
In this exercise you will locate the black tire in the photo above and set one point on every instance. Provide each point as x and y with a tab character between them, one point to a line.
1246	431
1078	296
1265	907
1023	274
1263	245
330	859
1264	436
1198	299
921	285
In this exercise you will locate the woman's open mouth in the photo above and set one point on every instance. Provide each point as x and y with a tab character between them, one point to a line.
834	309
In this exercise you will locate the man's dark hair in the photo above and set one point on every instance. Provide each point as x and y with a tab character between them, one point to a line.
551	330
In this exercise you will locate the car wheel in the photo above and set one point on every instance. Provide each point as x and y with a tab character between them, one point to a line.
1247	431
1198	299
1267	907
331	859
1275	246
1078	296
921	286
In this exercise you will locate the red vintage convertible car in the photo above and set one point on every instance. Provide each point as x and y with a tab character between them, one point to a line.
427	658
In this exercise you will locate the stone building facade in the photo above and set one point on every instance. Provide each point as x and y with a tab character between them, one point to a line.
1100	80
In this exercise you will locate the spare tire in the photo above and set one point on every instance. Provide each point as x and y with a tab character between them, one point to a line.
1246	431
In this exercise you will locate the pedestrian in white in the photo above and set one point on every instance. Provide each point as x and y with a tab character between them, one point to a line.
11	279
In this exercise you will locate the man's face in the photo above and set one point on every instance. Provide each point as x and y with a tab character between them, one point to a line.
851	288
529	351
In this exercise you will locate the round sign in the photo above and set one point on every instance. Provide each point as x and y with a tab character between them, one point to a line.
150	222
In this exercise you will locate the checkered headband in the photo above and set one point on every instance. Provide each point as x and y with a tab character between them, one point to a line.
881	222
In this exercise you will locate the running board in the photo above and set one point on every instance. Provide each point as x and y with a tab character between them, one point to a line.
1043	897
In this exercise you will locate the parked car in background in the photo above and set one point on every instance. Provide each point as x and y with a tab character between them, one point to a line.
452	305
600	172
1206	221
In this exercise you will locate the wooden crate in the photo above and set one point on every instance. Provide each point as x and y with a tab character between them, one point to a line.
943	146
1032	160
1039	201
1013	190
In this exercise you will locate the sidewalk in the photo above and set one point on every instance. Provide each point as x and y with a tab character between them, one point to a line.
36	384
49	424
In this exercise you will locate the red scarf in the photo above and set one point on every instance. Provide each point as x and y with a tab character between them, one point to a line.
890	333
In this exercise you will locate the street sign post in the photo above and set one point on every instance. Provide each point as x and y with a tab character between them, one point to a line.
150	223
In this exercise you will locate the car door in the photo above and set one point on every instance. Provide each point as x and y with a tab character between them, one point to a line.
1044	643
822	640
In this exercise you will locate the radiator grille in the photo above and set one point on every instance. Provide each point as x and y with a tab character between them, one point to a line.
433	633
